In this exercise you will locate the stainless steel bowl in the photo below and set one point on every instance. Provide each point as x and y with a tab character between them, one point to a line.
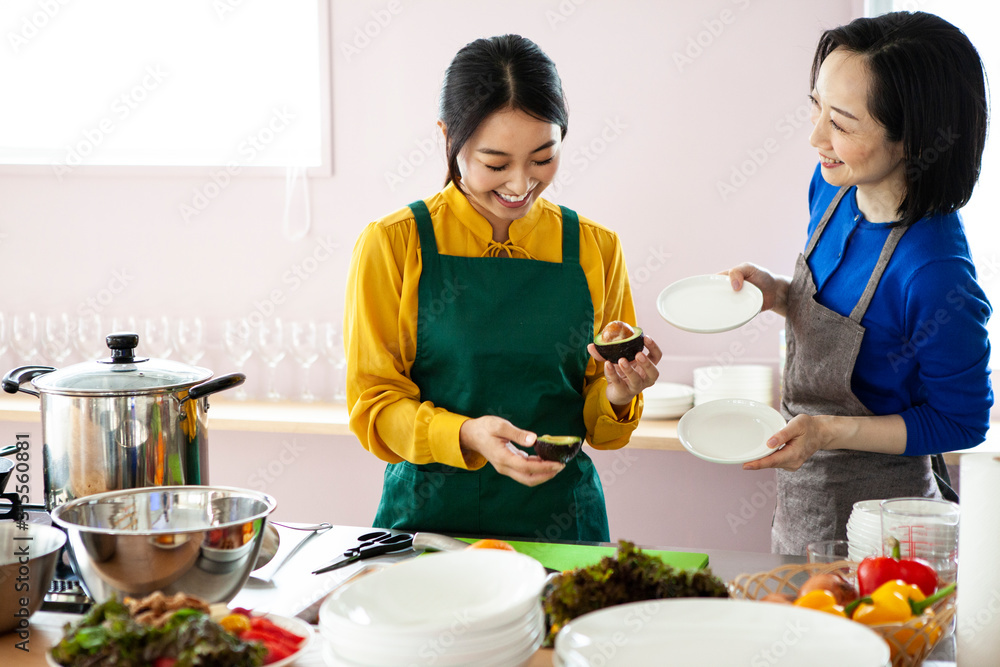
200	540
27	561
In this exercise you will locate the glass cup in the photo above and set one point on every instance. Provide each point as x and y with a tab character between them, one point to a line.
827	551
926	528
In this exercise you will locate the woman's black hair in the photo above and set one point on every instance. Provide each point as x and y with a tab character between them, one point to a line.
506	72
928	90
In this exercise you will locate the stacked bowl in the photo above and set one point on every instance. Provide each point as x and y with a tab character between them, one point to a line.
753	382
864	530
666	400
472	607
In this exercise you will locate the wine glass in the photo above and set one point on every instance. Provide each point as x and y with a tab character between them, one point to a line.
24	337
56	344
333	350
91	339
269	340
190	340
156	337
236	339
304	346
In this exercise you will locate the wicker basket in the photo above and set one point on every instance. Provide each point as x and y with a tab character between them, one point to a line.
909	643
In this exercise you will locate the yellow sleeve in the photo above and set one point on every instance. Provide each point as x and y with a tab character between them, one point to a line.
380	323
604	264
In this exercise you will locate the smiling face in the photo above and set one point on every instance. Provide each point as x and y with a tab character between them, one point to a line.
507	163
853	146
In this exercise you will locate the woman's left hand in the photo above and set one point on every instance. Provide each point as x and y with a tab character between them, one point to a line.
627	378
802	437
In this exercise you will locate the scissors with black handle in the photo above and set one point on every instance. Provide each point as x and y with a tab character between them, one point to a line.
388	545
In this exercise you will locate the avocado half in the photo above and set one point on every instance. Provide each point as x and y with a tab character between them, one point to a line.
561	448
615	350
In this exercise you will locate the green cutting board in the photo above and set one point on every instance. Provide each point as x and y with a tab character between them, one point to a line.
570	556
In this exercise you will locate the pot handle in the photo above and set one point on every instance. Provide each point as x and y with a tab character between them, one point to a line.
14	379
220	383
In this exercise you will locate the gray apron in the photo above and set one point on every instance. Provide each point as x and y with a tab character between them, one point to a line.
815	501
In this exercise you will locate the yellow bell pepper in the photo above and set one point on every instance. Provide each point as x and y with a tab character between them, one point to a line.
896	602
890	603
820	600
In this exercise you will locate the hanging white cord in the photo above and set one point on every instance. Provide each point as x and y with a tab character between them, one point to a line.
292	174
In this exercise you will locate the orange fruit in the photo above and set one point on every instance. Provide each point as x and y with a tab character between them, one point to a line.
491	544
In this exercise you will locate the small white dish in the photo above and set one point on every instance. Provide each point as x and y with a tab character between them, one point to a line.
708	304
730	430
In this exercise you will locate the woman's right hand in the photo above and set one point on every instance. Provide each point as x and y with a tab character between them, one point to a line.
492	437
774	288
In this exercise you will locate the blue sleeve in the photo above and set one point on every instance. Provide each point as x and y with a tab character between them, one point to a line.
945	315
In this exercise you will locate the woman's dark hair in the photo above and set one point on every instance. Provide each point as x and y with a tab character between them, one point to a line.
928	90
507	72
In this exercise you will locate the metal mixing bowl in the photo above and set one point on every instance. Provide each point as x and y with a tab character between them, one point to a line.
27	562
200	540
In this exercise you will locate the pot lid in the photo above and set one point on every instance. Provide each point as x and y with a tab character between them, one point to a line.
122	372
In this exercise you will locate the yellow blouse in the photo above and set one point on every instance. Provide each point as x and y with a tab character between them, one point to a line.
380	324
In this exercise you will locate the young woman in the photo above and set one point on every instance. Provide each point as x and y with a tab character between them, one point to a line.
887	346
468	316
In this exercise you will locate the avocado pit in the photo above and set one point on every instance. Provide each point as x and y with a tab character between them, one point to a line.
619	339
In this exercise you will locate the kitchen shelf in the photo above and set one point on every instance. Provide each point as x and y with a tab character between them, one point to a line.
331	419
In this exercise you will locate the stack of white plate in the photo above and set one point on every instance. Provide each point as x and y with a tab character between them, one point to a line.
473	607
864	530
666	400
748	381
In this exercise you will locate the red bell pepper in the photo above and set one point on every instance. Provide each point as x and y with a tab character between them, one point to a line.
875	571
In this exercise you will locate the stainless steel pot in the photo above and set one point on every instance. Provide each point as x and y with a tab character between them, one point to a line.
122	422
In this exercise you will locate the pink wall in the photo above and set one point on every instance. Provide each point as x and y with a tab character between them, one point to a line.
669	101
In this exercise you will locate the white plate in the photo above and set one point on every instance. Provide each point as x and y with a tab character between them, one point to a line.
708	304
298	626
426	595
731	430
699	631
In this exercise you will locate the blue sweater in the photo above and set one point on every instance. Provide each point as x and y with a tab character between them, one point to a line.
925	353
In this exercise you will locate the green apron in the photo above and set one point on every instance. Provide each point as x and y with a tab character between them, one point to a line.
500	336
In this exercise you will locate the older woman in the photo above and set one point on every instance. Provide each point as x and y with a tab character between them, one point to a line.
888	353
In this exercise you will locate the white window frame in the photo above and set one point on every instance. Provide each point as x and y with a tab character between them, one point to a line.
325	169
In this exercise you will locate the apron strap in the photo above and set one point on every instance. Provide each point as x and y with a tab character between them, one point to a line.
570	236
818	232
425	228
883	261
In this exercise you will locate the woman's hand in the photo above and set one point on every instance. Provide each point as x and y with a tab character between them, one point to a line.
805	435
627	378
774	288
802	437
491	438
